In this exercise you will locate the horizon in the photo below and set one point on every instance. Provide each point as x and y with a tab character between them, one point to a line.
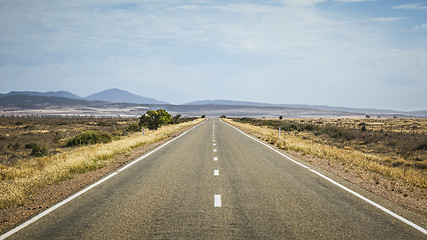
201	100
346	53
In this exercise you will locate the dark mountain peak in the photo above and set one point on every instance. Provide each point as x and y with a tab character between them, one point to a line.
122	96
63	94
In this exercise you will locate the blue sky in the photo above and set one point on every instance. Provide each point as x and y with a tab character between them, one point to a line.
353	53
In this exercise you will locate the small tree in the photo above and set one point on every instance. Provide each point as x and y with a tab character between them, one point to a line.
154	119
176	118
280	117
203	116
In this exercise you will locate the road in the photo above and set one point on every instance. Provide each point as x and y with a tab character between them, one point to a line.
216	183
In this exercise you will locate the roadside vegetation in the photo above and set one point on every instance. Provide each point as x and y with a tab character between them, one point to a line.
54	150
393	148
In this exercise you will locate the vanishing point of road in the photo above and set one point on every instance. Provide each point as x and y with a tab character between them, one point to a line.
214	182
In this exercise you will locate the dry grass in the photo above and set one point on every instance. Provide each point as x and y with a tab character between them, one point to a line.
347	156
28	177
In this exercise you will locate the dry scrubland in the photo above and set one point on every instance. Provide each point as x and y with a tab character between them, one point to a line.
22	174
391	149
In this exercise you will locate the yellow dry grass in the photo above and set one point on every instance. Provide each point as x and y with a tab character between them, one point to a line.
411	126
28	177
345	156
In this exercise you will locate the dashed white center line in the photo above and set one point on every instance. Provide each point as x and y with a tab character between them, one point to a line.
214	144
215	158
217	200
216	172
215	150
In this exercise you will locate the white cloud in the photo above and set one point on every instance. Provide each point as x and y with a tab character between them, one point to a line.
353	1
302	2
412	6
386	19
421	27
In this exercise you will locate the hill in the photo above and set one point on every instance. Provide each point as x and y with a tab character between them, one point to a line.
371	111
63	94
34	101
121	96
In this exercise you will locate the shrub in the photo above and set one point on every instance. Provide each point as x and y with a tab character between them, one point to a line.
421	146
30	145
175	119
133	127
223	116
89	137
39	151
203	116
154	119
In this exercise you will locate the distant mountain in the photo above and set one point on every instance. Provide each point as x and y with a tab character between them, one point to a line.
28	100
316	107
121	96
231	103
63	94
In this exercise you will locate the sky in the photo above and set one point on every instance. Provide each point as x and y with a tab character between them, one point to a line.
349	53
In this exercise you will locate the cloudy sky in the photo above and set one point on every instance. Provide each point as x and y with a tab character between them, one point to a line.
353	53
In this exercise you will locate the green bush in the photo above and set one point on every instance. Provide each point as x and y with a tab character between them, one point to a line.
31	145
154	119
89	137
133	127
175	119
421	146
39	151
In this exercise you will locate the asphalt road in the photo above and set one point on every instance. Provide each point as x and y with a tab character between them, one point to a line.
175	193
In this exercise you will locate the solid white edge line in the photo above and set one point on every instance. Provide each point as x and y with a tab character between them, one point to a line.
217	200
70	198
419	228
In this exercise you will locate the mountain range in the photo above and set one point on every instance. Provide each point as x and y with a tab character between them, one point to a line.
113	95
116	96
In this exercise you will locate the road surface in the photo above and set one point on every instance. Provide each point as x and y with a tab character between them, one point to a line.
216	183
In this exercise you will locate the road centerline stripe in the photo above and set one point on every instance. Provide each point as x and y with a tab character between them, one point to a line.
216	172
217	200
215	158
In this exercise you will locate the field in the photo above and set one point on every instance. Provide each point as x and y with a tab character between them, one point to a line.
23	172
385	154
401	142
50	133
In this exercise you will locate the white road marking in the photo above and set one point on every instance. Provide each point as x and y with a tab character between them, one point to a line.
217	200
215	150
214	144
72	197
216	172
215	158
419	228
